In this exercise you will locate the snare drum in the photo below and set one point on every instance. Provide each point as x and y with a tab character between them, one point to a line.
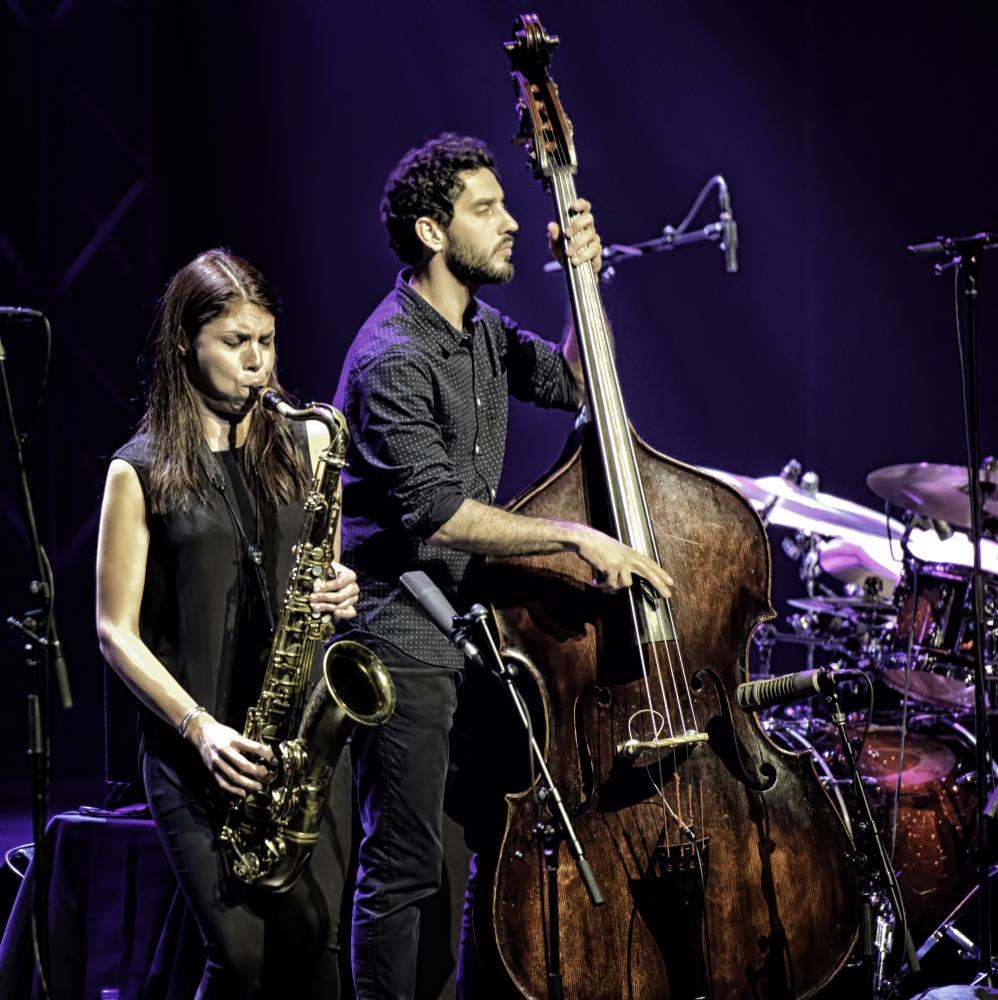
933	651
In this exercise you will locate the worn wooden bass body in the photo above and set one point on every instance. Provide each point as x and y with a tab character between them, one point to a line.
722	861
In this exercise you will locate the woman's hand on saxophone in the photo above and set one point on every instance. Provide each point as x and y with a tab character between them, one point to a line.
235	762
337	593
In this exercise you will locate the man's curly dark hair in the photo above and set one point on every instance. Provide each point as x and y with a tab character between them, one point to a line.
426	182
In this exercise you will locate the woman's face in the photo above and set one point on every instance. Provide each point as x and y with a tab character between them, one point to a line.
233	355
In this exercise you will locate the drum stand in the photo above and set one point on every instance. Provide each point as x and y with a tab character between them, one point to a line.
948	929
882	905
964	255
42	656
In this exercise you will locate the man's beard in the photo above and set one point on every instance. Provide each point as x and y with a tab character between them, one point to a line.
473	268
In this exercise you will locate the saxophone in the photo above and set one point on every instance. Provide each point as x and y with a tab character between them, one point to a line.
270	834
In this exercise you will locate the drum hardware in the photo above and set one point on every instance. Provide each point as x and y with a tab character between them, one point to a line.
952	929
850	606
881	883
963	256
794	475
883	945
767	636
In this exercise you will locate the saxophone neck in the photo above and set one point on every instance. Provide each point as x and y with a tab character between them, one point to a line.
271	399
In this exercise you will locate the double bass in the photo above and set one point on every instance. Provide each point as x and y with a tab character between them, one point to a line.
723	863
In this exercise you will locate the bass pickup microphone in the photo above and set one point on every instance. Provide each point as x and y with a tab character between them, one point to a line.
754	696
439	610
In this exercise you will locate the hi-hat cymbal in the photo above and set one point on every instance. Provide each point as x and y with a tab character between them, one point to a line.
848	606
936	491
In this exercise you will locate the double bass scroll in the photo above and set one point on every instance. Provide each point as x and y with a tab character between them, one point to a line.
722	860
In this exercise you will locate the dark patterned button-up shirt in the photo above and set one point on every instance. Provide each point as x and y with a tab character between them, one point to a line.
426	405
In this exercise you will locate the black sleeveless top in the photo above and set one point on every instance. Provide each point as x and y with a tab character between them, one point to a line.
203	614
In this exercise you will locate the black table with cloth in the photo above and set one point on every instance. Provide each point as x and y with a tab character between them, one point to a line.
117	920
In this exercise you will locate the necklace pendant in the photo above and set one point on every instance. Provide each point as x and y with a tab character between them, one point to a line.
255	552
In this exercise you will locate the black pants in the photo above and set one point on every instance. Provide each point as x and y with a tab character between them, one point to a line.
400	769
258	943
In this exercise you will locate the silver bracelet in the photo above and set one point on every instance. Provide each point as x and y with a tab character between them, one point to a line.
189	718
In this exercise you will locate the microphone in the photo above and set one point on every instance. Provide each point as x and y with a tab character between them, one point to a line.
792	471
943	529
439	610
755	695
19	312
729	228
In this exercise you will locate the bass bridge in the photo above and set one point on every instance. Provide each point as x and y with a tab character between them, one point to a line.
645	752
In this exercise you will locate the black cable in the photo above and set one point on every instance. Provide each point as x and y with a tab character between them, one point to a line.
45	375
869	717
905	702
706	922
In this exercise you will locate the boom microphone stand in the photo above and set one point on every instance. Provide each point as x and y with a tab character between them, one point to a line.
725	231
42	650
964	253
558	828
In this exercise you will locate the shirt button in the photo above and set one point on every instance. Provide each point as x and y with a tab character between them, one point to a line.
492	493
477	449
478	401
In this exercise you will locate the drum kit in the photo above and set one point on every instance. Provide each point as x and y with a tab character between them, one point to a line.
892	596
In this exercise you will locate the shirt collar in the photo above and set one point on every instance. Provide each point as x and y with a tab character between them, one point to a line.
416	307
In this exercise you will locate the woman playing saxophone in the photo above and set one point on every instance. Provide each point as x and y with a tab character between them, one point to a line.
200	512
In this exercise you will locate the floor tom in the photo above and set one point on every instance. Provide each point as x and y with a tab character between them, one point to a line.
935	841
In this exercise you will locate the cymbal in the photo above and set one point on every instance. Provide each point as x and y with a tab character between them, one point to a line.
824	507
787	505
848	606
745	485
937	491
856	561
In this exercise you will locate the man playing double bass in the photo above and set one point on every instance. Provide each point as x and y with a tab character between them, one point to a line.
425	390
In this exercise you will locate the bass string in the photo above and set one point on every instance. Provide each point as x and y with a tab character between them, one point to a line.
600	357
591	336
595	359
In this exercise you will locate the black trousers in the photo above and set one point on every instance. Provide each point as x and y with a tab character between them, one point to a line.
258	943
400	769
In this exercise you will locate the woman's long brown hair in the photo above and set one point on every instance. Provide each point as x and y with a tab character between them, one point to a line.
198	293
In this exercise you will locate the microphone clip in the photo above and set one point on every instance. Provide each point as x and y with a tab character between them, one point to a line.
464	627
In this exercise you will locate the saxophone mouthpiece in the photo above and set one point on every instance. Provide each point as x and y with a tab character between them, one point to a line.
271	400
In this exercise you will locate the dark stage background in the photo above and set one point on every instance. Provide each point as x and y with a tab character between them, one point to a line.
137	134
